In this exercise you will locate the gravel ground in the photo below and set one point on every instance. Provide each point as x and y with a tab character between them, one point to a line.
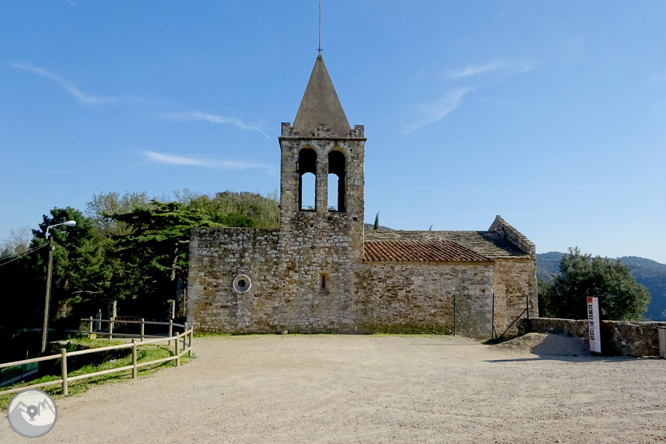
375	389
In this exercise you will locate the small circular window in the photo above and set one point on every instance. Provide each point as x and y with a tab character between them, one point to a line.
242	283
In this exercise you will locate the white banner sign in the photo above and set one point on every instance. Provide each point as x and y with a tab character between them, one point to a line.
594	324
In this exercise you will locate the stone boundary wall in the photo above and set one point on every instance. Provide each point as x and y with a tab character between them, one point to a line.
617	337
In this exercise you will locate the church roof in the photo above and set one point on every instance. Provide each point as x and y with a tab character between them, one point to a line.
433	250
320	105
488	244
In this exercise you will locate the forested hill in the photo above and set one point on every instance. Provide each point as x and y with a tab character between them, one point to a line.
647	272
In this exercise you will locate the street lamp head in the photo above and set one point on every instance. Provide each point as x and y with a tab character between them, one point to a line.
69	223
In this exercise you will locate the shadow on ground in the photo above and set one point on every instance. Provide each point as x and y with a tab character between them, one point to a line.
552	347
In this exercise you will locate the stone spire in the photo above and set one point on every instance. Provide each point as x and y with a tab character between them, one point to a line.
320	105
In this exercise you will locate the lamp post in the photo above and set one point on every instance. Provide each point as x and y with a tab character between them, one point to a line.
49	272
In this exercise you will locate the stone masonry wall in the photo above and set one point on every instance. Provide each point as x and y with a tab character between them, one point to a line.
317	246
353	149
513	280
285	270
514	236
617	337
286	292
216	257
410	298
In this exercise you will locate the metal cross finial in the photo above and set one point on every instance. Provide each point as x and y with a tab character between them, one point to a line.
319	49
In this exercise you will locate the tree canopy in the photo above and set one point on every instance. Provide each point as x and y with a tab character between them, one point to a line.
582	276
125	247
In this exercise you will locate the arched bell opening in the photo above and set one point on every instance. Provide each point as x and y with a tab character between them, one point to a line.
336	182
307	183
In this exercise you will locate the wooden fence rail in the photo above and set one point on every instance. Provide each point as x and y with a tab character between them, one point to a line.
185	338
114	321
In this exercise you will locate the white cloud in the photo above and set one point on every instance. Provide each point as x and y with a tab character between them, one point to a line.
471	70
89	99
658	78
438	110
172	159
64	84
213	118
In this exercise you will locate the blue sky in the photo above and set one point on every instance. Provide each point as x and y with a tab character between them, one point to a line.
551	114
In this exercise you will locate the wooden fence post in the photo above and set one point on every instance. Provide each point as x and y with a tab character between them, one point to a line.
110	328
189	352
90	327
63	369
170	331
176	349
142	328
135	369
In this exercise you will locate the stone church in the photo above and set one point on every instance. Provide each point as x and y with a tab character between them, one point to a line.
321	271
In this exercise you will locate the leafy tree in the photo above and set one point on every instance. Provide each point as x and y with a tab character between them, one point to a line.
582	276
18	242
375	226
238	209
104	204
154	252
126	247
80	277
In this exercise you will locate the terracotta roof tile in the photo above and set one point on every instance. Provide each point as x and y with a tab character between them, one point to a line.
419	251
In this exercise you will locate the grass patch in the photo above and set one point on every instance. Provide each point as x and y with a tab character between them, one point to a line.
94	343
145	353
212	335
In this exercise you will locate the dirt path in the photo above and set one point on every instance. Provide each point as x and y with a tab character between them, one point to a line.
373	389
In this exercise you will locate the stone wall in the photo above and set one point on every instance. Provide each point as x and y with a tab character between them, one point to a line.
514	284
286	290
216	257
323	142
285	270
502	227
617	337
411	298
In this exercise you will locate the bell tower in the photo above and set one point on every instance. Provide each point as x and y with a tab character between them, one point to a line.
322	178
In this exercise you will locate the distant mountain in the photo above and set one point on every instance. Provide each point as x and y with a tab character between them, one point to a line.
548	265
647	272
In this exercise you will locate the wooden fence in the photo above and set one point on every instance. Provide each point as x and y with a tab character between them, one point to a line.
114	322
182	345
